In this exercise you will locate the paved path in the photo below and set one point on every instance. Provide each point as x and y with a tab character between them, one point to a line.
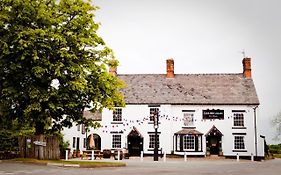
171	167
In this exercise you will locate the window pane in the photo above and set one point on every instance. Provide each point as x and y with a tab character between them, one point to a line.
73	142
178	143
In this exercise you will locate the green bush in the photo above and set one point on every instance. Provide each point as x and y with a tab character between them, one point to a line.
275	149
9	141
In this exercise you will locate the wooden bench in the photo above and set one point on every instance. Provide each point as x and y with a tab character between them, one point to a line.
88	154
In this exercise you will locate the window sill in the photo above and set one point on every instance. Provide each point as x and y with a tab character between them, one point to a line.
239	127
152	149
117	122
188	151
150	122
239	150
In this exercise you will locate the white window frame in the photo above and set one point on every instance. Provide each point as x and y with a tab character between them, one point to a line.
178	142
73	142
188	143
238	119
151	142
188	118
117	115
239	142
153	111
116	141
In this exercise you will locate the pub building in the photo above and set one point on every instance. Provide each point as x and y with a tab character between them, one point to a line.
198	115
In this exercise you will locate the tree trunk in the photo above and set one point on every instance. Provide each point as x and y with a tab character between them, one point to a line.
40	147
39	132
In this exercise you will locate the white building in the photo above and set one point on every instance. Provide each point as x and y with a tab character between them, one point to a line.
197	112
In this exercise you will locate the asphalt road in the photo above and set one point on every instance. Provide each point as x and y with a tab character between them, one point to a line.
174	167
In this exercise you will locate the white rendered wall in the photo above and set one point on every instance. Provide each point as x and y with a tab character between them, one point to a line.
137	116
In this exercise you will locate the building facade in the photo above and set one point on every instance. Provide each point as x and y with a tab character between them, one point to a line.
197	113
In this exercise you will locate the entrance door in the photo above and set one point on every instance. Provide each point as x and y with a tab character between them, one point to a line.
135	145
213	140
135	142
214	144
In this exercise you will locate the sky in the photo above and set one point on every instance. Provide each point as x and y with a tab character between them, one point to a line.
202	36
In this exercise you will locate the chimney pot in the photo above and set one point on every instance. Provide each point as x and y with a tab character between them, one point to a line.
170	68
247	71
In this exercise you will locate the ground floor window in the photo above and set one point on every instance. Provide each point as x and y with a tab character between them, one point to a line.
116	141
188	143
74	142
239	142
85	143
152	140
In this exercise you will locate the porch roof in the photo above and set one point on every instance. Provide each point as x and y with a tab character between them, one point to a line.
188	132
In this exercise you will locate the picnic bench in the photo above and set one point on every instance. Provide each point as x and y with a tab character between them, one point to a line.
88	154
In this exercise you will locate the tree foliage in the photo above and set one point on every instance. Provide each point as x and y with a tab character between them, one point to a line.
277	123
53	64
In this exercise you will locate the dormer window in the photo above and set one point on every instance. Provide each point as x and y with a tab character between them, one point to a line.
117	114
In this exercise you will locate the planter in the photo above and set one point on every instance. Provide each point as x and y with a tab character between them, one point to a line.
106	153
74	154
78	153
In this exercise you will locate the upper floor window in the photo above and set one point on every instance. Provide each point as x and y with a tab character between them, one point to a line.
78	127
153	112
188	118
117	114
83	129
238	119
239	142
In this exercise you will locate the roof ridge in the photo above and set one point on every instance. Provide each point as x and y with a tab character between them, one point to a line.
189	74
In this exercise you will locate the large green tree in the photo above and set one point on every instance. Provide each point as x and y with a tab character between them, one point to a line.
53	64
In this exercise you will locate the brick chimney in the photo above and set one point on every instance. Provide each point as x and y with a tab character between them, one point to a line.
113	71
170	68
247	68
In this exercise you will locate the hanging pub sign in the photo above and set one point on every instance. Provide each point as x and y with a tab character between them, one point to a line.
213	114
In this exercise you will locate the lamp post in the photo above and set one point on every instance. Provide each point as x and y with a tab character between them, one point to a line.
156	125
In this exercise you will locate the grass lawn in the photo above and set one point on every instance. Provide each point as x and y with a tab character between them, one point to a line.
83	164
277	155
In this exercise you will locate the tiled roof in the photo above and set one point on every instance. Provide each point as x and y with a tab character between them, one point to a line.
90	115
199	89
